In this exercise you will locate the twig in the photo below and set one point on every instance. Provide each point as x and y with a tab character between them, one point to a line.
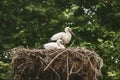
89	60
56	73
41	59
72	43
96	71
22	71
38	74
57	51
20	65
51	68
54	59
87	57
71	69
16	76
68	66
77	70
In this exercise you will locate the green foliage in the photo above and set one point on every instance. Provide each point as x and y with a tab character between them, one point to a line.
109	48
30	23
5	71
114	75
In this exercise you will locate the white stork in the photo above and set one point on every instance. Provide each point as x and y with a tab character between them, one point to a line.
54	45
65	36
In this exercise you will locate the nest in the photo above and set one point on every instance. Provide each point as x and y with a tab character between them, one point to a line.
65	64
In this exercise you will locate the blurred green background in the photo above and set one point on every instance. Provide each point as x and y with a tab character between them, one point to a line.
30	23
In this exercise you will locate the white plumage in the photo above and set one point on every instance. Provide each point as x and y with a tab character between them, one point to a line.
65	36
54	45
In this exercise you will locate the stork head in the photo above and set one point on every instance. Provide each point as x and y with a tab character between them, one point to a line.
59	41
68	29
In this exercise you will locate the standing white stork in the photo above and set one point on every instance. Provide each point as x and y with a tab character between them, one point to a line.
65	36
54	45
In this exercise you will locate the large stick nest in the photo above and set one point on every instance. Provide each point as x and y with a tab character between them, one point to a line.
65	64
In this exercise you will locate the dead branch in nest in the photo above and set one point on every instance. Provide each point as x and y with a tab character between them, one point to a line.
68	74
66	64
54	59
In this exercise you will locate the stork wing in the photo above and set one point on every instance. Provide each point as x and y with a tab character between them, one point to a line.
57	36
51	45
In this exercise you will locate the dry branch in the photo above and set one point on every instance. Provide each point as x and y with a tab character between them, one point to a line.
66	64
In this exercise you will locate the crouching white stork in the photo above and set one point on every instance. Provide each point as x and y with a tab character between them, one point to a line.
54	45
65	36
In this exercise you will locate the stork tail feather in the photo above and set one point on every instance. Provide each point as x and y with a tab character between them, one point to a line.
41	47
52	40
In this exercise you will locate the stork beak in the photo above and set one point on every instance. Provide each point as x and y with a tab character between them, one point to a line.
72	33
62	42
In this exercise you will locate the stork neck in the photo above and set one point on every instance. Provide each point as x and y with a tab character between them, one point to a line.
68	33
58	44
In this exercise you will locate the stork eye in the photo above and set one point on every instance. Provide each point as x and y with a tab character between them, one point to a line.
69	29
